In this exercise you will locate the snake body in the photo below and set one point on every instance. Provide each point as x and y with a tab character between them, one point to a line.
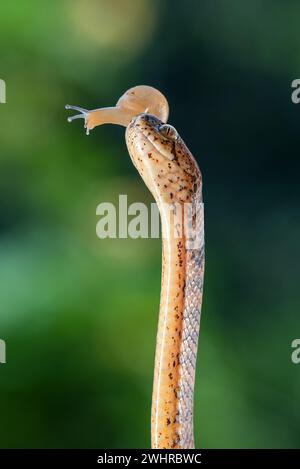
172	175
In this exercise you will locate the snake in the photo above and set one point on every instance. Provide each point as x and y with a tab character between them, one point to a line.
172	175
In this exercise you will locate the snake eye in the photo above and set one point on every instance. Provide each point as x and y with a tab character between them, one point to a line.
168	131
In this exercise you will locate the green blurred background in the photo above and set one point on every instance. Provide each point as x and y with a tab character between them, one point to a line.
79	314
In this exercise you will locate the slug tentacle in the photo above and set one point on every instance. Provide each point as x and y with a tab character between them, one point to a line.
78	116
83	115
76	108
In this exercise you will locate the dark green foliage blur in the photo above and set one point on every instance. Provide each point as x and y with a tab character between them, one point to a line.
79	314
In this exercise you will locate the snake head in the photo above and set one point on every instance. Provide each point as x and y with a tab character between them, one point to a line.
163	160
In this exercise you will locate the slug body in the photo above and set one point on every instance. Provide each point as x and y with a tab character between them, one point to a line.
172	175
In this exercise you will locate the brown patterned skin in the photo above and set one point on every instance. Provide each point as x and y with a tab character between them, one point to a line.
172	175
